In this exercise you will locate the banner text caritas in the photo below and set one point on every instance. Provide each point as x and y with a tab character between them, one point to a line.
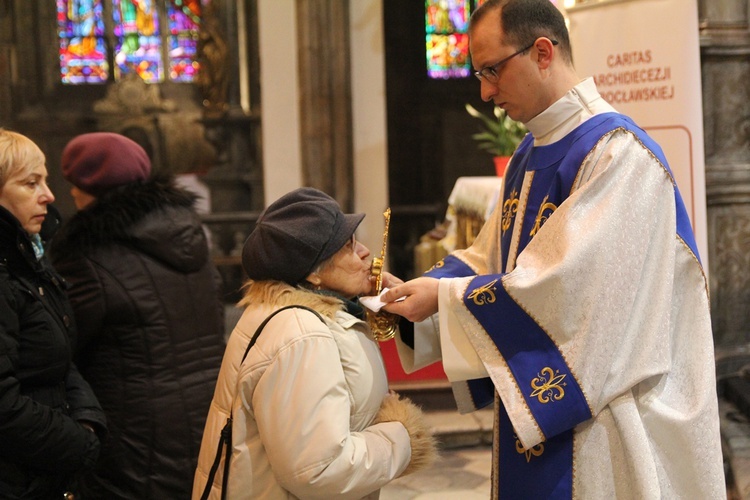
624	72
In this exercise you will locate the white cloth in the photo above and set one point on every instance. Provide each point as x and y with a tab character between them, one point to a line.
375	302
633	326
303	404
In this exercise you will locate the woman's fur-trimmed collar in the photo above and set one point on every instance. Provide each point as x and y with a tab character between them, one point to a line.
277	294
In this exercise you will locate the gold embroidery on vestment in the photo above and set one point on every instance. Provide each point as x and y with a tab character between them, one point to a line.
485	294
548	386
510	207
437	265
535	451
540	217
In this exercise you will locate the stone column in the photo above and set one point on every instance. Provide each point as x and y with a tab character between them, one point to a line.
725	47
7	61
325	97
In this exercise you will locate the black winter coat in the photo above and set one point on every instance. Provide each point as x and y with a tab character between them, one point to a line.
150	316
42	395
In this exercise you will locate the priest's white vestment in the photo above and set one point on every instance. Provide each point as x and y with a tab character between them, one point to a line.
582	311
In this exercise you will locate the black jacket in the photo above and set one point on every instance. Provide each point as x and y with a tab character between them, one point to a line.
42	395
150	318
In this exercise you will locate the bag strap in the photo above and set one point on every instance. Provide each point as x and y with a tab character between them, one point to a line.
262	325
225	436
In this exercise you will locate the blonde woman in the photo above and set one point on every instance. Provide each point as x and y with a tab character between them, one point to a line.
49	417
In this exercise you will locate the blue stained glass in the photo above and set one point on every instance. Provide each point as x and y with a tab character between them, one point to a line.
82	49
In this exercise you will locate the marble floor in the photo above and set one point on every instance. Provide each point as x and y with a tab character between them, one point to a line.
462	469
458	473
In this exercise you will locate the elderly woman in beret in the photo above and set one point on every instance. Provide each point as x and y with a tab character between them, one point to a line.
49	416
306	409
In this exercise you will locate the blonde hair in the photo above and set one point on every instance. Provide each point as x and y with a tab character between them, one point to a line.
16	151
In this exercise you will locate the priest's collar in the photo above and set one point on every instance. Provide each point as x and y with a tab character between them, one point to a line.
578	105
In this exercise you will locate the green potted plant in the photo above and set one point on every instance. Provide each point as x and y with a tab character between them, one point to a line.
500	135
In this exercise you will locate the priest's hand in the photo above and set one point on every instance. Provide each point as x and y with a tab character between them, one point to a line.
421	299
390	281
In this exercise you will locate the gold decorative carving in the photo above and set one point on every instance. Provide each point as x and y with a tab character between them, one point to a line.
382	323
212	78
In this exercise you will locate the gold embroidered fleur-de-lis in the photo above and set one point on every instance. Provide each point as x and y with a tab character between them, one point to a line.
541	218
437	265
484	294
510	207
548	385
535	451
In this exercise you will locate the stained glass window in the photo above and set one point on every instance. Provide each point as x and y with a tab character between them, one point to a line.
447	39
184	22
108	39
83	49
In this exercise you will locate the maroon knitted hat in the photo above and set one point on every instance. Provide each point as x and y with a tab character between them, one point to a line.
100	161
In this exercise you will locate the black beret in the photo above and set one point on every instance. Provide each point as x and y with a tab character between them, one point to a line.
295	234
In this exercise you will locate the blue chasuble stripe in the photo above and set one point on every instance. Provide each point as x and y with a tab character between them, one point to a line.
684	227
482	391
555	167
551	392
449	267
544	471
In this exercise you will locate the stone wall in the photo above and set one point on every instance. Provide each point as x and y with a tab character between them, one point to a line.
725	67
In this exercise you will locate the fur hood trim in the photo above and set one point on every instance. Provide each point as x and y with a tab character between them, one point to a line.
112	216
277	294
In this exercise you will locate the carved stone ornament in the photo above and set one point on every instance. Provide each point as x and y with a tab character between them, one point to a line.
131	95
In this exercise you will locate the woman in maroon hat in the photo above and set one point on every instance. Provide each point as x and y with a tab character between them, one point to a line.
150	316
310	412
49	416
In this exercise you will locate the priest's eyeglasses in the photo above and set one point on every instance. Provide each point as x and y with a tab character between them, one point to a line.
491	73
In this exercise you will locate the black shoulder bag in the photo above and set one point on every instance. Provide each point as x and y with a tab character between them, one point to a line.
225	438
